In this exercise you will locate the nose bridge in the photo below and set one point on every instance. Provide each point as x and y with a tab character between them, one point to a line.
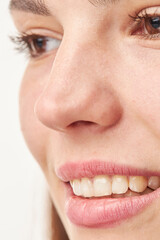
76	91
69	74
72	81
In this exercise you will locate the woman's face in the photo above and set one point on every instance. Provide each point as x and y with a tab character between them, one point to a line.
90	106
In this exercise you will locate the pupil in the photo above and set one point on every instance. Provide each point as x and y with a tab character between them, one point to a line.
155	22
39	42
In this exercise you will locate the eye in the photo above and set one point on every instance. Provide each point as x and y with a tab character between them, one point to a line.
152	25
35	45
147	23
39	45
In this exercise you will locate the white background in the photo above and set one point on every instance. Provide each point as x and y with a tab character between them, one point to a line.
15	160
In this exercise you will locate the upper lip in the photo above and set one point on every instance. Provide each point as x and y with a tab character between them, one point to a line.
89	169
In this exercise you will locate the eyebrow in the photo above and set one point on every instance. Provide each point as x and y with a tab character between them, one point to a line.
102	2
33	6
39	7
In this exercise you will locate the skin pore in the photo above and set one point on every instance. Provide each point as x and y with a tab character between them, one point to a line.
93	93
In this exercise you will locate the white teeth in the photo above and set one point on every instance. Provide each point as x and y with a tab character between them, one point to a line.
87	187
119	184
138	183
102	186
76	185
154	182
115	186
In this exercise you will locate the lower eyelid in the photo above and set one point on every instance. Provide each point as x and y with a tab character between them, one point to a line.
143	42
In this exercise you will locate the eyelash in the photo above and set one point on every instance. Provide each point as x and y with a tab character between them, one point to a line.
139	17
25	42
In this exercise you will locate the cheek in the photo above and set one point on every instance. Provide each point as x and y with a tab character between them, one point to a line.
35	134
140	85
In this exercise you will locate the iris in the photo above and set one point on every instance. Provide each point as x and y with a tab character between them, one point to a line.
155	22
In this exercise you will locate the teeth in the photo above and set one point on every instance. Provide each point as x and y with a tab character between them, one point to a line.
117	195
102	186
119	184
76	185
146	191
129	193
114	186
86	187
138	183
154	182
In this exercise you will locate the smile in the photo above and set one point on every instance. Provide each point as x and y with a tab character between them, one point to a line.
102	195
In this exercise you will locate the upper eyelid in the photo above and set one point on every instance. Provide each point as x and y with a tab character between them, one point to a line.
143	13
149	11
25	37
42	32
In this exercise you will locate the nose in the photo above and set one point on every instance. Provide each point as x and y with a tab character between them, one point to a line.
78	92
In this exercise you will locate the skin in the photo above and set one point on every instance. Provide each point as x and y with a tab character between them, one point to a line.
98	96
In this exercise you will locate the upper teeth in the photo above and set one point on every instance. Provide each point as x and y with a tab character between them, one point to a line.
104	185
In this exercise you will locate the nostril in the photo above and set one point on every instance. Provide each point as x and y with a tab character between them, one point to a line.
88	126
81	123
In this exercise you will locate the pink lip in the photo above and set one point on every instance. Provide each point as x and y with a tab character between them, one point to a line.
70	171
105	212
102	212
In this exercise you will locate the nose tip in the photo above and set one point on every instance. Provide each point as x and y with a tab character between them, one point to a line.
93	108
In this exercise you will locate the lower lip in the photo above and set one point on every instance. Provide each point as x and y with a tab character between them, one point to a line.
105	212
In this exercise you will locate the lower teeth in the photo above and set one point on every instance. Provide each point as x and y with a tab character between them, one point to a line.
148	190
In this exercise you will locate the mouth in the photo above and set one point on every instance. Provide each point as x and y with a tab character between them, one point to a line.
102	195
